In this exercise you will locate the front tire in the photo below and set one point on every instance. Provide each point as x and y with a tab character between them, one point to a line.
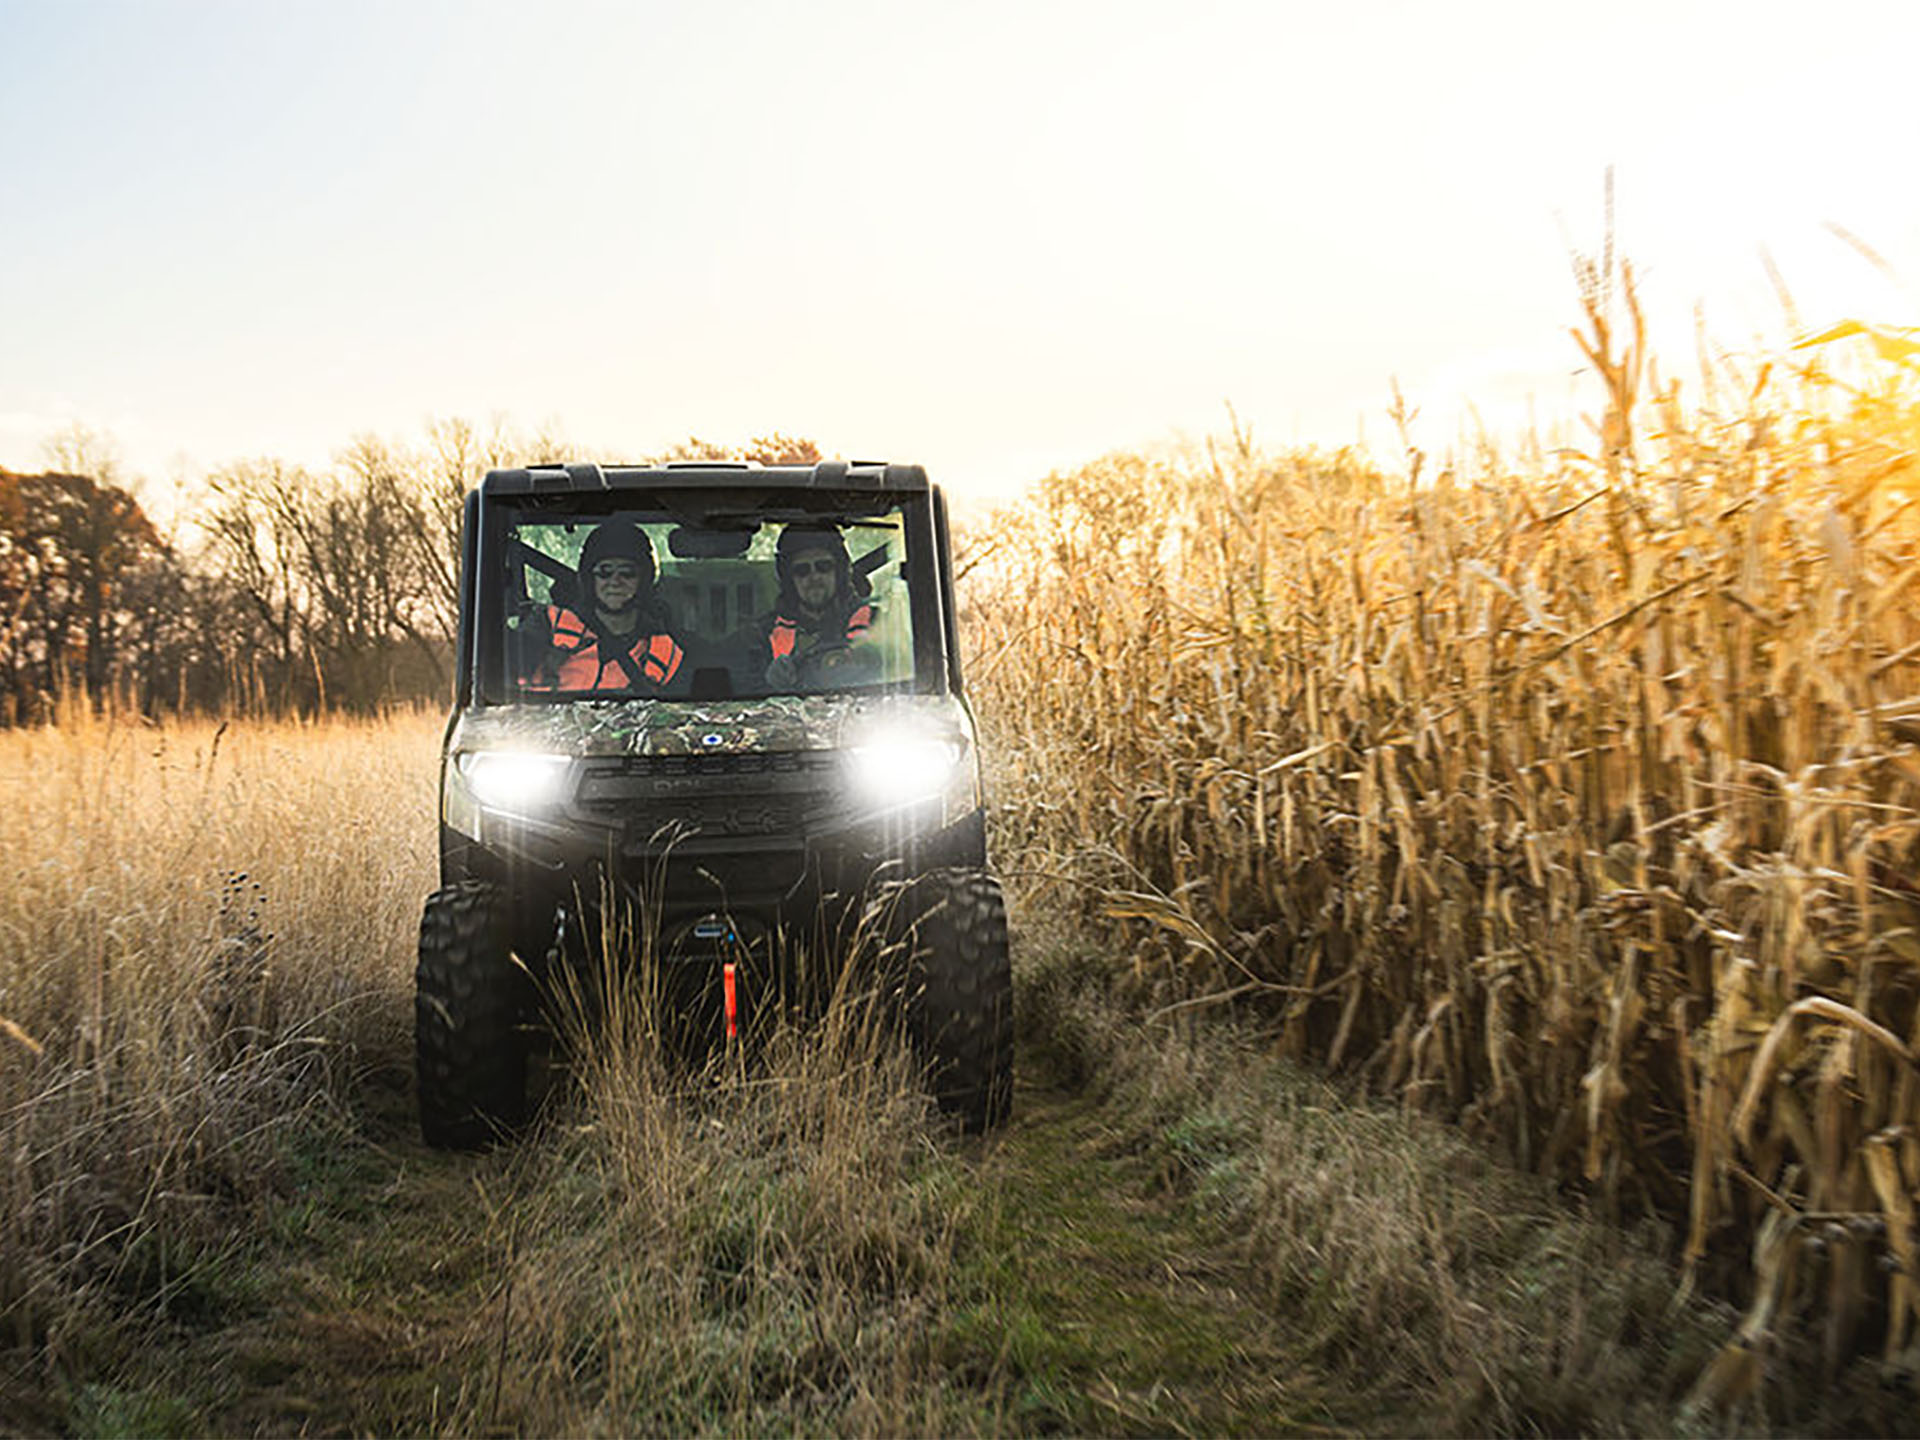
470	1046
962	995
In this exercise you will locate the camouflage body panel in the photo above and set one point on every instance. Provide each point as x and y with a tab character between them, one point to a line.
584	728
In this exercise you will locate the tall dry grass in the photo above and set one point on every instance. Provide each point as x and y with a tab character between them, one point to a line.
752	1244
203	930
206	940
1577	801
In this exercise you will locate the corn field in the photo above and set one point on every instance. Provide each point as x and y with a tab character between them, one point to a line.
1579	800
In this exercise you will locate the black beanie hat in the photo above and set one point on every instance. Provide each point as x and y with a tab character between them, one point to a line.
619	540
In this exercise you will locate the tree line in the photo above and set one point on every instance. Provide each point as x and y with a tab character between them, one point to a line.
279	591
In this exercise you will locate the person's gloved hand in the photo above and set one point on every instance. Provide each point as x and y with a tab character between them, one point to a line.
783	674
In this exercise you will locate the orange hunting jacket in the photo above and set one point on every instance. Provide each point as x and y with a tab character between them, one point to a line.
784	637
655	658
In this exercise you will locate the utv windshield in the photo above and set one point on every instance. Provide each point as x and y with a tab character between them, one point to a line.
809	599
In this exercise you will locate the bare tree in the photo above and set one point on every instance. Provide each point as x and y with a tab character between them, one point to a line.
299	590
254	526
456	460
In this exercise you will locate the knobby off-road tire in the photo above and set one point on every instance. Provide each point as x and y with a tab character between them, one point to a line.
470	1050
961	1010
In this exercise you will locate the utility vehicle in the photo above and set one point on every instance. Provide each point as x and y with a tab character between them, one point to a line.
753	796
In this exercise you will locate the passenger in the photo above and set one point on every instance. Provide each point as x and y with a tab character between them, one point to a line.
621	643
818	619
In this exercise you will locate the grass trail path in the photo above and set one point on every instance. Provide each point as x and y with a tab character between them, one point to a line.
1121	1308
1101	1299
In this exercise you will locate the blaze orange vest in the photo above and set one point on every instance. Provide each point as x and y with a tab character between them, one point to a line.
654	657
784	637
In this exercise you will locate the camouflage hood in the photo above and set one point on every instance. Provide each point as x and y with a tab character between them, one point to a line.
679	727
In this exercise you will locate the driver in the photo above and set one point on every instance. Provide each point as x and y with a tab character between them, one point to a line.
621	642
817	617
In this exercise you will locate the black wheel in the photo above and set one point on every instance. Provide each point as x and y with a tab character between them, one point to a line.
961	1013
470	1048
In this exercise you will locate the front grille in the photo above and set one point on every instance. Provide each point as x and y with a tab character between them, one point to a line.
731	816
745	762
750	795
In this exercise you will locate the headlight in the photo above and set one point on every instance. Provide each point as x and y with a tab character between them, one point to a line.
896	771
506	780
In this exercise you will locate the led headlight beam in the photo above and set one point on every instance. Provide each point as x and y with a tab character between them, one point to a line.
509	780
897	770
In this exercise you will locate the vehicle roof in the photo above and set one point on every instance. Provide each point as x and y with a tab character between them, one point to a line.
592	478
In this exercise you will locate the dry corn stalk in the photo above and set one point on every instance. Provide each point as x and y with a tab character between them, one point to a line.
1583	804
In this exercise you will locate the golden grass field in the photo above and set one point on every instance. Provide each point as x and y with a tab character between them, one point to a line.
216	1215
1575	800
201	923
209	945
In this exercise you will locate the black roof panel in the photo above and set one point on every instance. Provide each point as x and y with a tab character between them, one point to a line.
718	474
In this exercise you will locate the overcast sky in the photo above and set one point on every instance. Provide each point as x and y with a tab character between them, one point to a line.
997	239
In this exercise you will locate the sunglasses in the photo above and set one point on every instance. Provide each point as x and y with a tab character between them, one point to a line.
813	567
616	570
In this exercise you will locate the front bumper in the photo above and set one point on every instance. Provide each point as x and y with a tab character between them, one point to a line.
751	807
769	849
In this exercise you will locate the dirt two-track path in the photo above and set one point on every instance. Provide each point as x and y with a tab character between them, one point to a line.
377	1294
